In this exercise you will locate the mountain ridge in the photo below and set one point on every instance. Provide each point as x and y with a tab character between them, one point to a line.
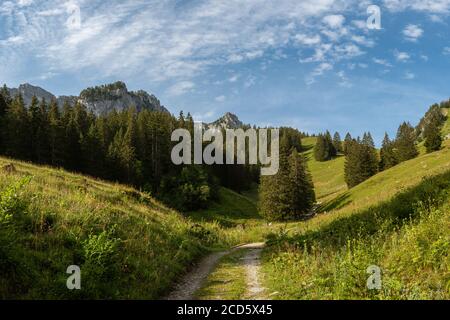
98	99
114	96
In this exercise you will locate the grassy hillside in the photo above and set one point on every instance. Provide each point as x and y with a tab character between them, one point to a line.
388	183
446	127
328	176
407	238
127	244
237	215
395	220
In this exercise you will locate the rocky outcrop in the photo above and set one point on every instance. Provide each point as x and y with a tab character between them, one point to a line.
100	99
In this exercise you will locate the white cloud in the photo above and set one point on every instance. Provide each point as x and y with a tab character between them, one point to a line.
307	40
412	32
233	78
401	56
318	71
172	39
361	24
221	98
446	51
180	88
382	62
363	41
344	81
334	21
430	6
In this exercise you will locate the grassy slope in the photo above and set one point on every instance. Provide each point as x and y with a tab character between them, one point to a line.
328	176
237	214
297	274
385	184
127	244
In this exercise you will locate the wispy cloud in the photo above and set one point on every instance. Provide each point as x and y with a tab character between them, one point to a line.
173	40
382	62
412	32
401	56
180	88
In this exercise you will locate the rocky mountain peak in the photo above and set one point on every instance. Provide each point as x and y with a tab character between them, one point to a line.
228	121
99	99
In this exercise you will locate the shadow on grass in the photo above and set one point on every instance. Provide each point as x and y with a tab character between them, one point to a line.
335	204
386	216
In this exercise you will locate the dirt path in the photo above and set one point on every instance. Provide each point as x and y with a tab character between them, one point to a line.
194	280
252	269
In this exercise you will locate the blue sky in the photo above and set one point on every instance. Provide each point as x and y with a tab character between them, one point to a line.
310	64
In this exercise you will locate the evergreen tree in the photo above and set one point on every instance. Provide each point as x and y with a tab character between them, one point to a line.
42	139
17	130
290	193
361	161
367	140
433	138
302	188
347	141
55	135
275	194
4	103
332	152
321	149
337	143
405	143
387	155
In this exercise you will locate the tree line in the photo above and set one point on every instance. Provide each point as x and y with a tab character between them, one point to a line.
126	146
362	160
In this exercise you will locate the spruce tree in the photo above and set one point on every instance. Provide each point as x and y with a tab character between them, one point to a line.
290	193
303	196
321	149
405	143
55	135
17	130
330	146
433	138
387	155
4	102
275	194
347	141
361	161
337	143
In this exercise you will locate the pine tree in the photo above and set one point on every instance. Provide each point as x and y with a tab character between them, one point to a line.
17	130
55	135
303	196
42	141
332	152
433	138
361	161
289	194
405	143
275	191
347	141
4	103
321	149
337	143
387	155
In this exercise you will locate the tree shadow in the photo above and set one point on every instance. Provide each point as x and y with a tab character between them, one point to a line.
336	203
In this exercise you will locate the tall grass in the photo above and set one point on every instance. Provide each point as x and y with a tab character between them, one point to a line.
407	237
127	244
